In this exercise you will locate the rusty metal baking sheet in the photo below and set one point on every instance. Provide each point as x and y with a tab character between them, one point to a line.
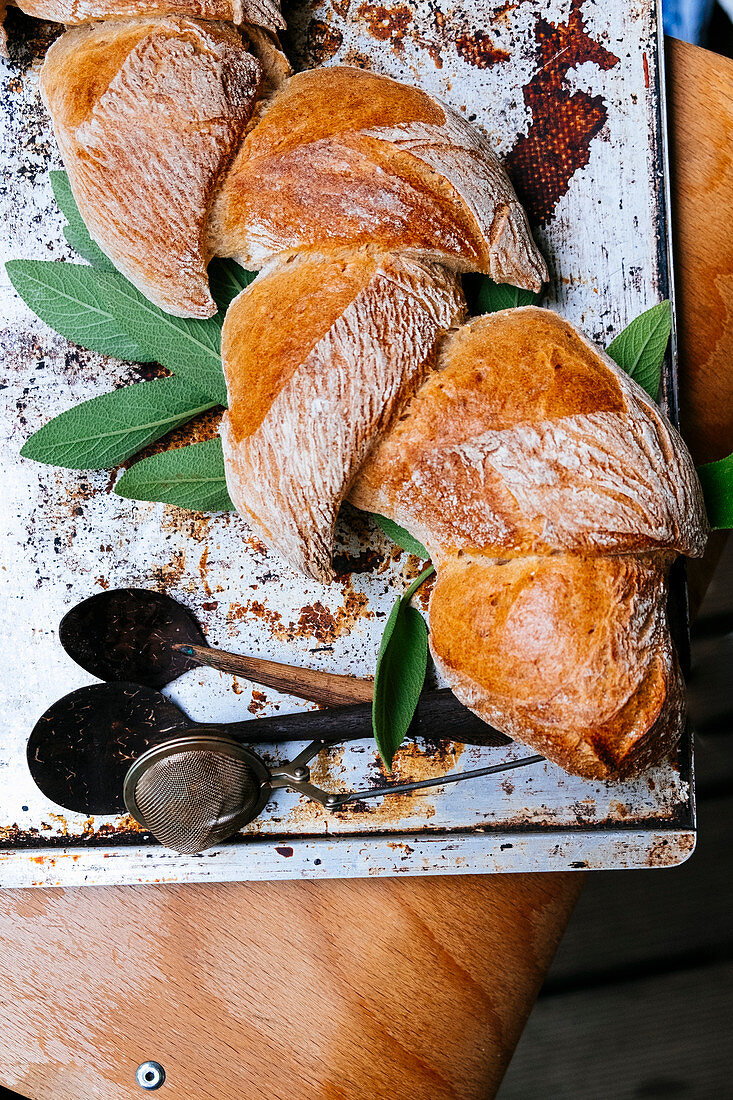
570	91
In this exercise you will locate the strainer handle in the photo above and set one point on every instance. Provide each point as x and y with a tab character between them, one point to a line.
337	801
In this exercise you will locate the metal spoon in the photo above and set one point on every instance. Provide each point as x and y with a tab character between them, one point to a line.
81	749
143	637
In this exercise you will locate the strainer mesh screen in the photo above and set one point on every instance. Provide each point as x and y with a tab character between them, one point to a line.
190	799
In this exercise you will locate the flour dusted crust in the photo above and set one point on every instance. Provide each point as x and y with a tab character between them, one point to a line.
553	496
262	13
531	439
307	398
344	158
147	113
568	654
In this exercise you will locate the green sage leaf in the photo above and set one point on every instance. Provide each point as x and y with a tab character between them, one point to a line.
82	243
189	477
495	296
716	479
640	348
76	232
106	430
72	301
401	666
228	279
189	348
401	537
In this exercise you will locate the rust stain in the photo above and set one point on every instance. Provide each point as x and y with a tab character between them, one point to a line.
203	427
646	69
424	593
563	122
318	622
434	51
668	852
284	850
168	575
125	831
386	24
210	605
257	702
365	562
315	620
499	14
323	41
192	525
327	768
618	809
358	59
341	7
478	49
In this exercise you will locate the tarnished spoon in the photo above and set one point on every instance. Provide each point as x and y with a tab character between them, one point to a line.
81	749
143	637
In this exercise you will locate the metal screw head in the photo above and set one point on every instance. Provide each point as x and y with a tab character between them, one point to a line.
300	773
150	1075
332	800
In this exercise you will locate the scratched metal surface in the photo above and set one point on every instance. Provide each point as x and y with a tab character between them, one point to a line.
593	185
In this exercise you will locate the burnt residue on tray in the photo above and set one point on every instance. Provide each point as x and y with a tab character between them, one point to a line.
564	122
478	49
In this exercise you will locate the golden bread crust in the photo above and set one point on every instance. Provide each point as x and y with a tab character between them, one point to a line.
529	439
571	655
147	113
263	13
553	496
308	399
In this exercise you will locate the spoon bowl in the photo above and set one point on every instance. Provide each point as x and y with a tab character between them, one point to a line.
82	747
142	637
129	635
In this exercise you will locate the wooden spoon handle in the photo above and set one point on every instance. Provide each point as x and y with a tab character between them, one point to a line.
326	688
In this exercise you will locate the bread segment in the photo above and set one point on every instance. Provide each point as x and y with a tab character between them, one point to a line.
532	440
262	13
553	496
147	113
318	356
569	654
344	159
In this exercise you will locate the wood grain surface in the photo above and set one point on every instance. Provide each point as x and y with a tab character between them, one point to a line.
416	989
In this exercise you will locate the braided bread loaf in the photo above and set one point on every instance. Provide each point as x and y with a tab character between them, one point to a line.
551	492
360	197
261	13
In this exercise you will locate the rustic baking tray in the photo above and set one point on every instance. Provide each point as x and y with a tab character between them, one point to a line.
572	93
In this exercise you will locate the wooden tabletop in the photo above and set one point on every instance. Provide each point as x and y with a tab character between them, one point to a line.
416	989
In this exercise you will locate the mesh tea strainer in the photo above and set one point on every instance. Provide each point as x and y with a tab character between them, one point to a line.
194	791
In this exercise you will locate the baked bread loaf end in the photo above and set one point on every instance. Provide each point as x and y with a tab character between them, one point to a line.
553	496
147	114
